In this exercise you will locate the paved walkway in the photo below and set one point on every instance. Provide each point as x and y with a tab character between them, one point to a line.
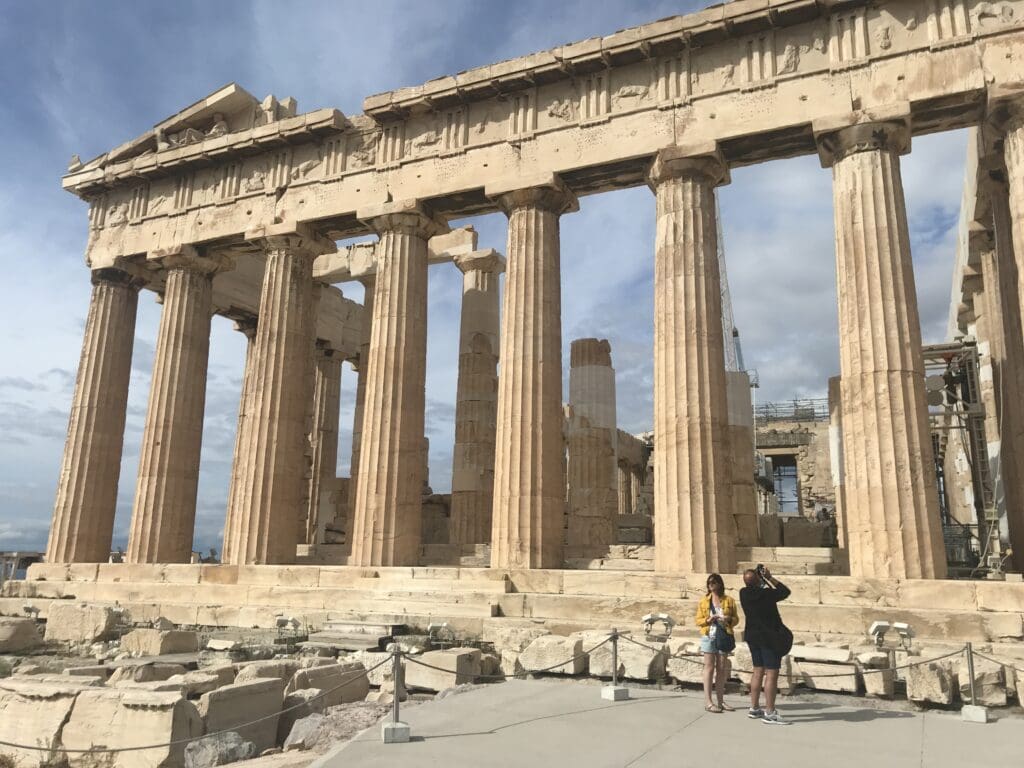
551	725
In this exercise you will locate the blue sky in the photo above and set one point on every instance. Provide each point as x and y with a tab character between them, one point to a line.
81	78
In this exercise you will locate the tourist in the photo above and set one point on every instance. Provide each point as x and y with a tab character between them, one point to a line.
716	617
767	637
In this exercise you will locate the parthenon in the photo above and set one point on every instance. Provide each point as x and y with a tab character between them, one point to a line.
236	206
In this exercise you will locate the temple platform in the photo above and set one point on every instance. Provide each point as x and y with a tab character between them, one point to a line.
821	609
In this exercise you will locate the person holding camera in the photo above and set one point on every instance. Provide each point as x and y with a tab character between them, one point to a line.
716	617
767	637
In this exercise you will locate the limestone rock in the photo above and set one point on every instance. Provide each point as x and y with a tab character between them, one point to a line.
822	677
878	679
635	662
220	749
196	683
280	669
95	670
33	713
297	706
78	623
931	683
304	732
686	669
461	665
225	673
158	642
105	718
18	635
341	723
821	653
490	665
228	708
145	673
549	650
340	683
989	682
222	644
512	638
370	660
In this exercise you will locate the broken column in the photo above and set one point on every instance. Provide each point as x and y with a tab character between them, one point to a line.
323	435
476	402
692	505
387	518
83	515
272	476
891	498
741	452
592	463
529	467
164	515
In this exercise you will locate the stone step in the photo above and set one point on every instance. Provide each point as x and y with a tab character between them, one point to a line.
782	554
342	627
609	564
794	568
346	642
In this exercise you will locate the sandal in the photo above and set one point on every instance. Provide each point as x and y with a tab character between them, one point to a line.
723	707
713	708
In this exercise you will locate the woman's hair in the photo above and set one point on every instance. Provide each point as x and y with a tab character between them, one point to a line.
716	578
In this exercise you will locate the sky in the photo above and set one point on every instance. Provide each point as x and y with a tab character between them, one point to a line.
81	78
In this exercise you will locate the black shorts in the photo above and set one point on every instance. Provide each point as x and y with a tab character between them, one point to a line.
764	657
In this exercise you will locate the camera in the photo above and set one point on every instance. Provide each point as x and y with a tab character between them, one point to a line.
760	569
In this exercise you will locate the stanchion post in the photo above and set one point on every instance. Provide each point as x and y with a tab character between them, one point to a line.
973	713
395	732
615	692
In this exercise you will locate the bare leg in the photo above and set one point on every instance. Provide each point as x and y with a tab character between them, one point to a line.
755	687
709	676
771	685
720	677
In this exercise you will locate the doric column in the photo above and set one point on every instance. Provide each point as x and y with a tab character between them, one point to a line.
476	399
835	453
369	285
692	507
891	498
386	525
163	519
741	458
625	489
592	455
323	435
271	479
529	468
83	515
236	495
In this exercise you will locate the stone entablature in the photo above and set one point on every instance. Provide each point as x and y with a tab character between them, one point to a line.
753	77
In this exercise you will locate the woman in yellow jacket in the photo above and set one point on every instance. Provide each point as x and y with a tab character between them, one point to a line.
716	616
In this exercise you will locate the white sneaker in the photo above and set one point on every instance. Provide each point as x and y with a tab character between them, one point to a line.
773	718
755	714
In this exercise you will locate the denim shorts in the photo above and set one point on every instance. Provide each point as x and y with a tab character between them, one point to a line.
764	657
706	646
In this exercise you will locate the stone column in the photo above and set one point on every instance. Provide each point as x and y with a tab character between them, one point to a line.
593	460
387	516
236	495
528	521
741	455
83	515
271	479
369	284
163	519
891	498
835	453
625	489
692	504
323	435
476	399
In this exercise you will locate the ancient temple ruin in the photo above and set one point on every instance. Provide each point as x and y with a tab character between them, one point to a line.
234	206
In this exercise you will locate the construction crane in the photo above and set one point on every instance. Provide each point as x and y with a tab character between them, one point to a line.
730	333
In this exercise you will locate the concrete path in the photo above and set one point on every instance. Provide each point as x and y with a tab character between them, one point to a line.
551	725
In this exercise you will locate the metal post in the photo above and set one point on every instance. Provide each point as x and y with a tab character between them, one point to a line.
615	657
970	671
615	692
395	732
396	670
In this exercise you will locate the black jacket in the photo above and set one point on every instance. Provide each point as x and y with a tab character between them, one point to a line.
760	607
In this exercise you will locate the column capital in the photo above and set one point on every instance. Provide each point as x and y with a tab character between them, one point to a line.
704	161
290	236
546	191
487	260
1005	108
883	128
114	276
407	217
188	257
245	324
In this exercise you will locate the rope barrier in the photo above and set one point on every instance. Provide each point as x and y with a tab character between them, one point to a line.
1001	663
176	742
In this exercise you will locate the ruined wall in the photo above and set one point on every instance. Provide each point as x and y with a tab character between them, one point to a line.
809	442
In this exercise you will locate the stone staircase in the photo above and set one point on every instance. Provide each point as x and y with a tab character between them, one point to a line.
809	561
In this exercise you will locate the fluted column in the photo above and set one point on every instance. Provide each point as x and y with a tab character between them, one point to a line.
592	457
83	515
692	503
625	489
387	517
236	496
360	365
163	519
271	479
323	436
529	468
476	399
891	498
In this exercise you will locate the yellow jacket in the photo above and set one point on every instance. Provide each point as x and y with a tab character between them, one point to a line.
732	616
